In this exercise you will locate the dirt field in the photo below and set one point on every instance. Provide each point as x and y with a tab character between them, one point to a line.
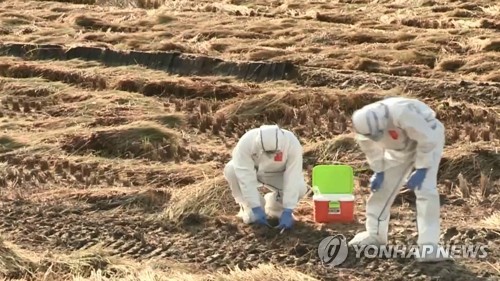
117	121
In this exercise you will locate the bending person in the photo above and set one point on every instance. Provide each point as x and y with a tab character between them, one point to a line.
398	135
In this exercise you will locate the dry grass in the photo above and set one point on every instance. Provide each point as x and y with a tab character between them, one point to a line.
8	144
17	263
492	222
145	4
334	151
136	140
131	158
94	265
265	271
479	193
207	198
261	272
297	34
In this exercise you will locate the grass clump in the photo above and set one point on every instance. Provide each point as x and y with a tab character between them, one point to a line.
146	140
95	264
22	264
205	198
8	144
492	221
171	120
332	151
14	265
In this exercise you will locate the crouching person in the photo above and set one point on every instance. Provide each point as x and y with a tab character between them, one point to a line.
271	157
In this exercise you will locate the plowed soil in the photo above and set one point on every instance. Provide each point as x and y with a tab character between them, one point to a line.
118	117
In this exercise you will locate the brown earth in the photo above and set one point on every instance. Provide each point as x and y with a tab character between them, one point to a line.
111	162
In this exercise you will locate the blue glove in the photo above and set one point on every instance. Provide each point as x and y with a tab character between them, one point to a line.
260	215
376	181
286	220
416	179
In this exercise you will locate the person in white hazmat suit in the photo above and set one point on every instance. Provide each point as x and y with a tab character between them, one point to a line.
403	143
267	156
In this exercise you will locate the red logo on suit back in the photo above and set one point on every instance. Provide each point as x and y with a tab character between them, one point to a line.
394	135
278	157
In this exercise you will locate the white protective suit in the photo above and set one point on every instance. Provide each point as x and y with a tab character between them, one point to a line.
251	168
410	137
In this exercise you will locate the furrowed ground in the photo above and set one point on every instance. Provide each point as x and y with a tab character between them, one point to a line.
112	158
